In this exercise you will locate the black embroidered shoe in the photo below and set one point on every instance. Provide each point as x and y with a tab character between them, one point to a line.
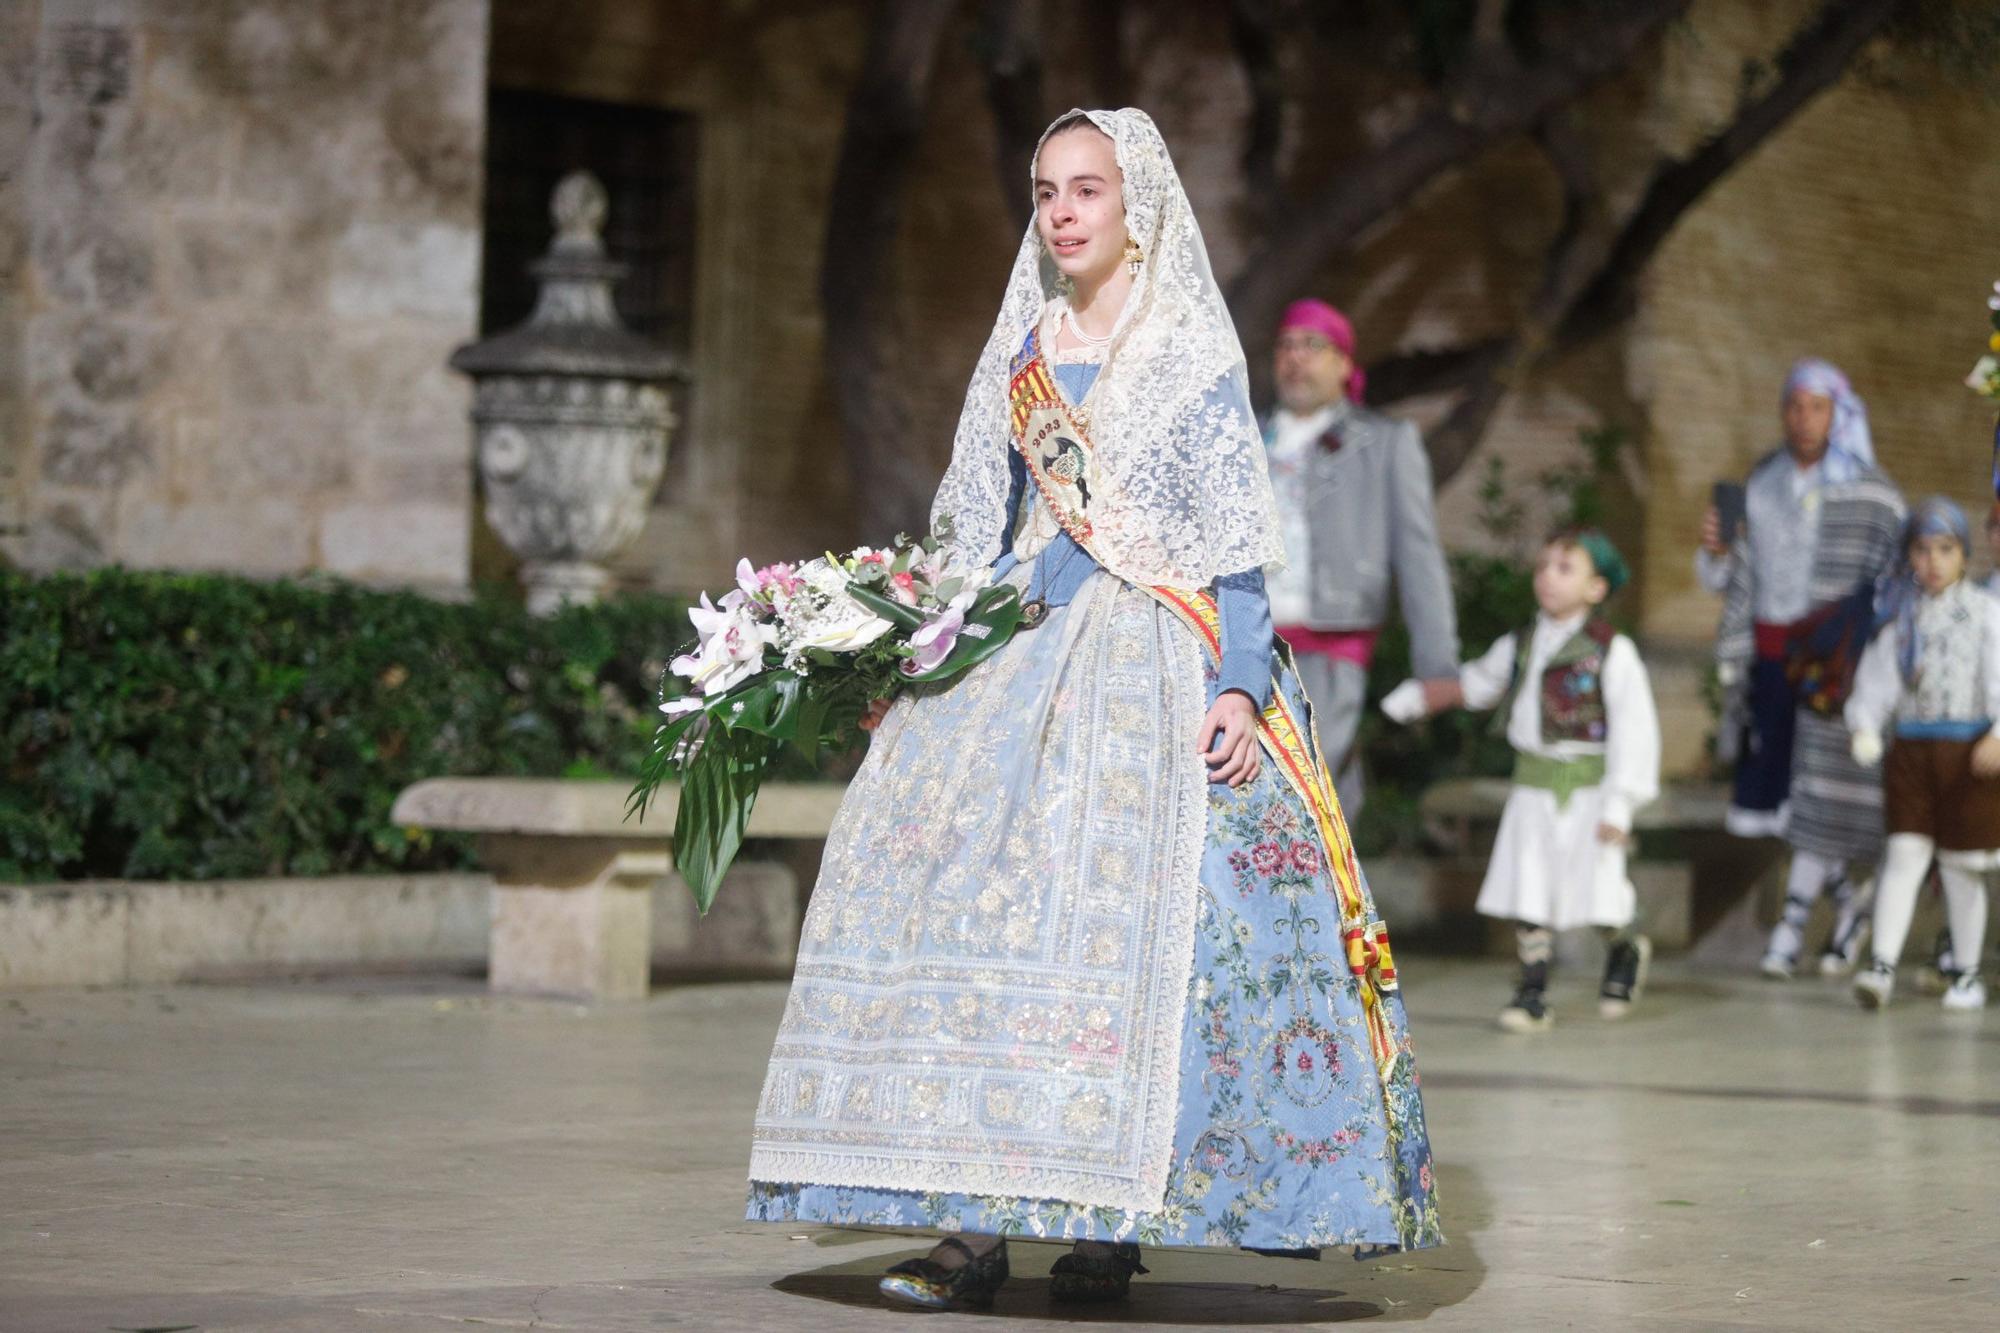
1528	1011
1624	976
1101	1274
935	1286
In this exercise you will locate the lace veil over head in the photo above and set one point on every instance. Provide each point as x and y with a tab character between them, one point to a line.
1183	494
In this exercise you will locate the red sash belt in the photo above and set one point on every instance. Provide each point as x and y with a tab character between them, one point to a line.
1774	640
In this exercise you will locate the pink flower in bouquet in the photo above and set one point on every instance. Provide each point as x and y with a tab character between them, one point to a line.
731	646
769	583
935	638
903	587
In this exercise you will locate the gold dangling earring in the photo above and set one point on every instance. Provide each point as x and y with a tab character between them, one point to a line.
1134	256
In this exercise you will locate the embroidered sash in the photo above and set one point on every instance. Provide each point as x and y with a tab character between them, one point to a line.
1060	461
1059	455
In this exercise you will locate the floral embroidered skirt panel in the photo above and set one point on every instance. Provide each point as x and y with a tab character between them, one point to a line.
1053	982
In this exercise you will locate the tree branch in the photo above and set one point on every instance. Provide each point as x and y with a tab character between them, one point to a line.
1496	98
885	118
1590	281
1419	373
1811	63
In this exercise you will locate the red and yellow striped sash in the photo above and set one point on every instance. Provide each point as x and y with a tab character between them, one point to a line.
1295	751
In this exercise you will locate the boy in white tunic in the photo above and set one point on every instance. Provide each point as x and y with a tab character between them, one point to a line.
1579	713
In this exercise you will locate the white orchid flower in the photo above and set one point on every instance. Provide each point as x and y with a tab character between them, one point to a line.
731	647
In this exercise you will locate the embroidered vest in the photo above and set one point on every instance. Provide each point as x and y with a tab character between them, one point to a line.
1572	685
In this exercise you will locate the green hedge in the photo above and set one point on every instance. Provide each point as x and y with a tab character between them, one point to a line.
174	726
190	727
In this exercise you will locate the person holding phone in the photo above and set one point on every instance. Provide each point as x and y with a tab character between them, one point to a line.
1820	525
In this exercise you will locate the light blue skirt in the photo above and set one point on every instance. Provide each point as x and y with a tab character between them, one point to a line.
1287	1137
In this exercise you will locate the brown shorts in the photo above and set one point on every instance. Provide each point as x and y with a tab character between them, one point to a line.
1928	788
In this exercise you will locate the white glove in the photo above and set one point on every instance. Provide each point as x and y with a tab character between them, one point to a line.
1728	674
1405	703
1866	748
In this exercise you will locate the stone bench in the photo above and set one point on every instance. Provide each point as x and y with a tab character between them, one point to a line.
1690	874
575	884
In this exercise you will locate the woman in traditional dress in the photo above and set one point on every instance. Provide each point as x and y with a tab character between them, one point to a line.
1090	956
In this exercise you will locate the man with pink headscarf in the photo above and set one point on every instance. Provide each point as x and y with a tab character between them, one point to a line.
1356	502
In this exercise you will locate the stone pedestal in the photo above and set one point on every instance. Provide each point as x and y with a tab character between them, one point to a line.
571	917
591	917
585	903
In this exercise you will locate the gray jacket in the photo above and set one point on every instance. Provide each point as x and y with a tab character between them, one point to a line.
1373	515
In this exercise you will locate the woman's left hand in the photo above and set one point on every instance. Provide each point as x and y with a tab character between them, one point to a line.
1234	758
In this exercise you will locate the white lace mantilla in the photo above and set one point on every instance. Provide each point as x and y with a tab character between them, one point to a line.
1184	495
992	983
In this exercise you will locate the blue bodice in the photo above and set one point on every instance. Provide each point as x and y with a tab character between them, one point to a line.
1063	568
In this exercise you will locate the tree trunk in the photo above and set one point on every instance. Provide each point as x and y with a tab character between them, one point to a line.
1010	49
885	118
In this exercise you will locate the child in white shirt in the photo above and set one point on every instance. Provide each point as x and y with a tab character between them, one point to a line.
1931	680
1579	713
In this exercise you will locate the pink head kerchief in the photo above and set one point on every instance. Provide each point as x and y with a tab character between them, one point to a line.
1330	324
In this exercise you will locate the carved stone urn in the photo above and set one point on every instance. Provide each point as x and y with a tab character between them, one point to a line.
571	414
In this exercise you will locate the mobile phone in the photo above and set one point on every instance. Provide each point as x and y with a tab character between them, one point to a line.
1729	508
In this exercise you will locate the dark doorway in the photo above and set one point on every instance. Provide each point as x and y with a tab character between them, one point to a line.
646	158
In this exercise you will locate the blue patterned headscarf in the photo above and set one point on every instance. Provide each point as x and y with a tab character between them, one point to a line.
1934	517
1850	447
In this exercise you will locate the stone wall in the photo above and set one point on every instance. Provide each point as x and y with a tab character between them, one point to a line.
237	243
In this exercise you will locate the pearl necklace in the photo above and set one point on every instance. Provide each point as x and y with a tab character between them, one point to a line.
1087	339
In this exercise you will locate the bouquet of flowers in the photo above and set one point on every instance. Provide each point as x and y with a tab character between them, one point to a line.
1985	377
794	656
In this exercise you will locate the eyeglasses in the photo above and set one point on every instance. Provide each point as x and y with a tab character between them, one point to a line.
1301	342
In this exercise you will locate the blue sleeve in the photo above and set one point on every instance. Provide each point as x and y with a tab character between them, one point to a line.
1246	635
1017	485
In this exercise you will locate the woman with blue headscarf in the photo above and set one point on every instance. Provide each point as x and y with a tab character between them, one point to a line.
1821	524
1931	680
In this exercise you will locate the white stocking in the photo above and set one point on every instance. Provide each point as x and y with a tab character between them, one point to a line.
1808	879
1965	907
1903	867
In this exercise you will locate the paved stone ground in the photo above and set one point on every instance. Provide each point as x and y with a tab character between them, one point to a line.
411	1154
